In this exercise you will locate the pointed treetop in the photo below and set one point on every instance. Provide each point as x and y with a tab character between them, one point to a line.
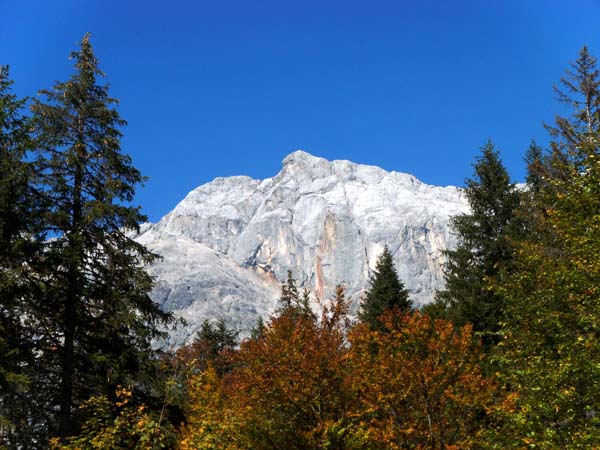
535	166
85	59
385	292
291	303
581	92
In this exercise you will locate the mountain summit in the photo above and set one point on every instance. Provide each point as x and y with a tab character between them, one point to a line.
228	243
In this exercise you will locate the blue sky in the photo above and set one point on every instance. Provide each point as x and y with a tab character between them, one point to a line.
217	88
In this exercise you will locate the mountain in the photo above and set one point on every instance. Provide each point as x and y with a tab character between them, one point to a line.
230	242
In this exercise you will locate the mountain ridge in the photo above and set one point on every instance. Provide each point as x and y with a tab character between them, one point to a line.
229	241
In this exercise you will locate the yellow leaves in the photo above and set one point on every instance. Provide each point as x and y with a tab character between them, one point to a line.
119	425
54	443
305	384
211	424
123	396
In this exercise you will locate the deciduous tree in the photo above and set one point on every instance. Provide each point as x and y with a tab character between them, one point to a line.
419	384
289	385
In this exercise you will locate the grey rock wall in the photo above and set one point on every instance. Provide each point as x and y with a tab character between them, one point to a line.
226	245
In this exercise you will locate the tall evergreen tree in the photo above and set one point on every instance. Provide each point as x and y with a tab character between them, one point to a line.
483	246
20	244
258	330
385	292
97	317
289	292
580	87
550	351
534	161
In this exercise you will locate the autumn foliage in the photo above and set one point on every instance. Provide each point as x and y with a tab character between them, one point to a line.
316	382
419	385
119	423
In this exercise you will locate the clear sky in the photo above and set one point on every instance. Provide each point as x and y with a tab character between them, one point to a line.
217	88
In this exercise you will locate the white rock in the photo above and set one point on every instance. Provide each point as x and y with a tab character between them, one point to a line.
226	245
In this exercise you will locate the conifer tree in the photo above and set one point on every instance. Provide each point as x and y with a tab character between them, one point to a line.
211	341
291	303
20	244
289	292
258	330
97	318
580	87
534	161
385	292
550	349
483	246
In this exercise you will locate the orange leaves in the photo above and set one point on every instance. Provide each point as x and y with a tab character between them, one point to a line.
311	383
419	383
290	383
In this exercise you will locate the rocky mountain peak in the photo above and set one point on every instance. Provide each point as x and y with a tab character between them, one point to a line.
228	243
303	159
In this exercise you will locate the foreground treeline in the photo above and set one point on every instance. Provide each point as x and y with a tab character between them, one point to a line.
308	382
507	356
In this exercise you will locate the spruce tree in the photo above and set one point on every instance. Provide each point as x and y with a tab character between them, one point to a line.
258	330
211	341
580	87
289	292
385	292
20	244
97	318
291	302
483	247
534	162
550	348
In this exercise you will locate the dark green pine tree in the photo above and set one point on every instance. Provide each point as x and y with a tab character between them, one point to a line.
211	341
536	170
385	292
539	180
289	292
20	245
483	247
258	330
98	319
291	302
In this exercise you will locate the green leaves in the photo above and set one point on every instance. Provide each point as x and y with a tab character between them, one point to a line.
550	351
121	423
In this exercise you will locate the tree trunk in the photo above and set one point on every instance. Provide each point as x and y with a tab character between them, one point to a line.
70	321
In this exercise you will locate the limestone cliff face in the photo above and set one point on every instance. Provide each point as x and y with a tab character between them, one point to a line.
226	245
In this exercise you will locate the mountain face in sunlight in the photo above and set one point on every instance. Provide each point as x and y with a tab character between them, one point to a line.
227	245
